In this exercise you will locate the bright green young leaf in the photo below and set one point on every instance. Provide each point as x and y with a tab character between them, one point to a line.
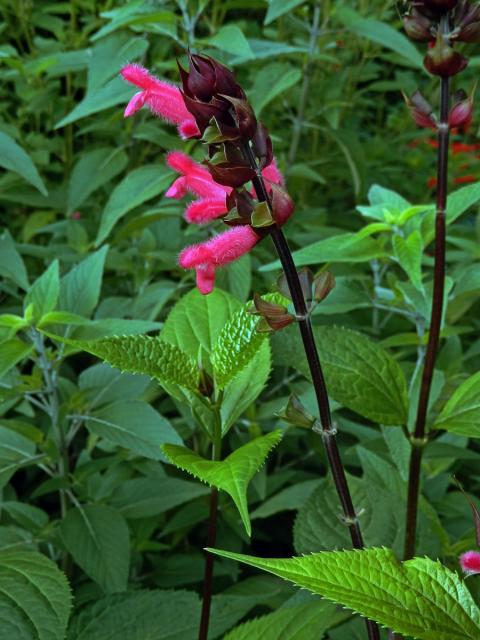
35	598
231	475
93	170
382	34
11	262
409	254
461	200
133	425
461	414
148	355
196	321
389	199
44	292
14	158
137	187
347	247
11	353
277	8
97	537
80	288
302	622
419	598
362	376
230	38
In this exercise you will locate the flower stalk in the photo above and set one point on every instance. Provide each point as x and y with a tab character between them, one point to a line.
328	430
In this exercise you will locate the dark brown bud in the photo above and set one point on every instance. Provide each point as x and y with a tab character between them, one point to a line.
421	110
418	27
305	276
230	175
262	146
442	60
275	316
296	414
462	111
323	284
467	21
282	204
245	118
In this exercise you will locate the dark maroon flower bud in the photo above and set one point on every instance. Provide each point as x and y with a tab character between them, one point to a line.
262	146
275	316
469	33
442	60
418	27
462	112
282	204
230	175
440	6
245	118
203	112
421	110
201	78
306	278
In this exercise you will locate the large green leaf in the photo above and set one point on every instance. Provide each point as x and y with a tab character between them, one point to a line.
94	169
35	598
14	158
16	451
80	288
461	200
44	292
11	263
148	355
408	252
11	353
382	34
362	376
232	474
97	537
140	185
277	8
134	425
461	414
265	91
303	622
419	598
231	38
347	247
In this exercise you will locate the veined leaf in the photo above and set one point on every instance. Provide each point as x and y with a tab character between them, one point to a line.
35	598
238	342
44	292
80	288
231	475
277	8
98	539
302	622
461	414
11	262
409	254
14	158
147	355
363	376
419	598
11	353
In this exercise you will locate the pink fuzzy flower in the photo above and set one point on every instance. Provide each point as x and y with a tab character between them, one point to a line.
163	98
218	251
194	178
470	562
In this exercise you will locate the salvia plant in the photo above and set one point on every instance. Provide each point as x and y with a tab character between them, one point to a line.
367	545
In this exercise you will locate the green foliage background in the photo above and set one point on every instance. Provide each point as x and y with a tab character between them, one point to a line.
88	250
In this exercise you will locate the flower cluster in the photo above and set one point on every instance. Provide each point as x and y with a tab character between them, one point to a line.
442	23
212	107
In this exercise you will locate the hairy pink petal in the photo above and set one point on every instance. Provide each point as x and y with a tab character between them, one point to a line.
188	129
178	189
205	278
272	173
198	179
195	255
470	562
135	104
232	244
206	209
163	98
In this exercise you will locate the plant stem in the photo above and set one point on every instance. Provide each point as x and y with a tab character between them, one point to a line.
418	440
328	429
211	539
302	103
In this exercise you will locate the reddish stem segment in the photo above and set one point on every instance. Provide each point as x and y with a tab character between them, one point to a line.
418	440
328	430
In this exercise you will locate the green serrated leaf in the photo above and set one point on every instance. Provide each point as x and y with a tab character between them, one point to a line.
147	355
461	414
14	158
363	376
35	598
231	475
419	598
97	536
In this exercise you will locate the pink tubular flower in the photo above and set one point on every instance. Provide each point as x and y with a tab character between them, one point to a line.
220	250
163	98
470	562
